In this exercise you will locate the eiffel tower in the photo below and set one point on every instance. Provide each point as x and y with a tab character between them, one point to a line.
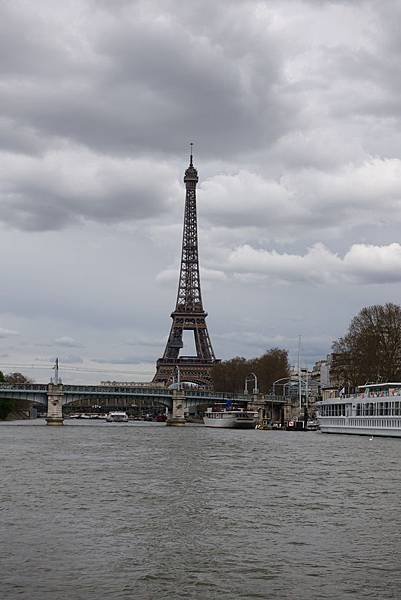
188	313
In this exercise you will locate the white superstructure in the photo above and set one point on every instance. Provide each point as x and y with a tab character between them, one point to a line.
230	419
374	411
117	416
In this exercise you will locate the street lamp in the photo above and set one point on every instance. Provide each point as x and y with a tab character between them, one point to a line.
277	380
274	393
305	383
177	383
285	390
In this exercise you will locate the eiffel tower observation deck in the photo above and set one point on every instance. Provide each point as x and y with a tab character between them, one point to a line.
188	313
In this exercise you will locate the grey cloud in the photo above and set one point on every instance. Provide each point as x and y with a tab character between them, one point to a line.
126	360
5	333
147	341
17	138
145	81
68	359
300	96
67	342
62	188
28	45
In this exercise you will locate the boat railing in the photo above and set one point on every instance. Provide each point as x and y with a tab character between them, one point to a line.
364	395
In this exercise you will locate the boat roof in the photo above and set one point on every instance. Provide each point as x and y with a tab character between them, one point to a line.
376	385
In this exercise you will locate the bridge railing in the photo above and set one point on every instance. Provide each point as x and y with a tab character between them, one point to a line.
104	390
35	387
127	390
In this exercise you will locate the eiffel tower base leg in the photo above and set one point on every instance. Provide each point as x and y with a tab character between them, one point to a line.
176	418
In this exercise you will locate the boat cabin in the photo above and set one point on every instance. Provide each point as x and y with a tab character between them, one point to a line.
375	409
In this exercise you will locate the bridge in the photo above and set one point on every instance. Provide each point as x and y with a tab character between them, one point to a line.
54	396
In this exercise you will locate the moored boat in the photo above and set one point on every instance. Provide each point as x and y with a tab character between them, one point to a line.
230	418
117	416
375	411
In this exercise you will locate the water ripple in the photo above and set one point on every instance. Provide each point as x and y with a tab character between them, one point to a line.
150	512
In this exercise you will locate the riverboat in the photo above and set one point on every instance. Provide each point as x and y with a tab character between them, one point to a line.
375	411
117	417
230	418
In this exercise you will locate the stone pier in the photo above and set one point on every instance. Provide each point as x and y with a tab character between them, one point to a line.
55	398
176	418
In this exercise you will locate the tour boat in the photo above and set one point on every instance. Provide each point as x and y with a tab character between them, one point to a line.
117	417
375	411
230	418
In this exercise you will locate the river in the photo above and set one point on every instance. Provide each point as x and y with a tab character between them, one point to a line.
94	511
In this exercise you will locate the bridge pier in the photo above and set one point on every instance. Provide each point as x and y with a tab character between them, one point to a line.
55	398
176	417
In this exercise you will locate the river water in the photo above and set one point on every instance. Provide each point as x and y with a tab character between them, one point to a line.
94	511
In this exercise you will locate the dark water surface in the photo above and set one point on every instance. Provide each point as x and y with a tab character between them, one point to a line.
107	511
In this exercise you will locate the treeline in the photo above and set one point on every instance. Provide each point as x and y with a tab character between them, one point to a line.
229	375
14	378
7	405
370	351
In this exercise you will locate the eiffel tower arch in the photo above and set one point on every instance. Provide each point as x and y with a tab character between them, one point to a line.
188	314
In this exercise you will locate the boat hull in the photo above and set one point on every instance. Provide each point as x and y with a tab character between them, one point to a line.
117	417
371	431
230	423
375	410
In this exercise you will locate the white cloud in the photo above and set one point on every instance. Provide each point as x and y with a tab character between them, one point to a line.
5	333
364	264
307	201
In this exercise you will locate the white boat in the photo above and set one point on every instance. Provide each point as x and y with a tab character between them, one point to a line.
117	416
230	419
375	411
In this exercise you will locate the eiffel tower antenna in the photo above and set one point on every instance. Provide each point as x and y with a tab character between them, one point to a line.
188	313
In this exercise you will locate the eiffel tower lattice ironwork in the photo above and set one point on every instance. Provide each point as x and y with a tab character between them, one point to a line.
188	313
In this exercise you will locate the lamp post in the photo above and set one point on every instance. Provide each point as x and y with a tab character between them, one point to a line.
274	393
305	383
284	388
274	390
277	381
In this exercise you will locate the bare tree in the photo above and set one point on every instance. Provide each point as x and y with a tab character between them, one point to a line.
371	349
229	375
16	378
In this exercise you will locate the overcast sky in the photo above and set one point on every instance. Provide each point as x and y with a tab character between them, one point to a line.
294	109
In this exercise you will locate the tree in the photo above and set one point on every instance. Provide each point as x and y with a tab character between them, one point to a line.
16	378
6	407
229	376
371	349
